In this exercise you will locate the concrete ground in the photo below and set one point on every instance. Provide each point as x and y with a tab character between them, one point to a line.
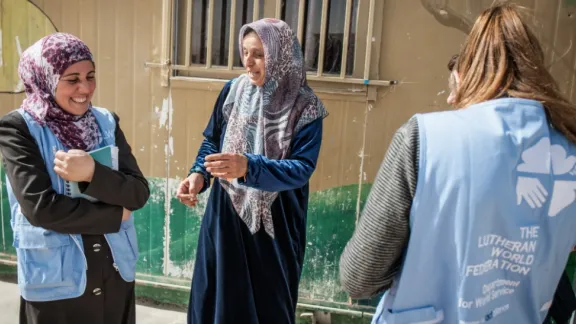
9	303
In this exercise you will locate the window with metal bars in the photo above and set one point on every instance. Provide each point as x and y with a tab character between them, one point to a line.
205	34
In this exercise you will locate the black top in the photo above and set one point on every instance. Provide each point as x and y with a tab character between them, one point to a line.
43	207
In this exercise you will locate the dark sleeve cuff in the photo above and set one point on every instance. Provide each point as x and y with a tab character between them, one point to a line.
98	183
113	223
253	172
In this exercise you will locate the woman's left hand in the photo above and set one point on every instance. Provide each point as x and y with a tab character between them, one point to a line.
74	165
227	165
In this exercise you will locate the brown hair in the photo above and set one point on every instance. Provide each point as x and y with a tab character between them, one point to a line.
452	62
502	57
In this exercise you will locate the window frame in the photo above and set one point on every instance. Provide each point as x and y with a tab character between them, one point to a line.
362	74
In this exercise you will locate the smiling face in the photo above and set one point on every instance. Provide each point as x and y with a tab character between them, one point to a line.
76	88
253	58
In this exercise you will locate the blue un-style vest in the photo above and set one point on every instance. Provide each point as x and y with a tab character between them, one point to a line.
52	266
492	221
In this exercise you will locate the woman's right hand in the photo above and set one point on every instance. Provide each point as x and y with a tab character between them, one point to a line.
189	189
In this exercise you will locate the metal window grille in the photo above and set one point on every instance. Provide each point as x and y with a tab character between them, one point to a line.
204	37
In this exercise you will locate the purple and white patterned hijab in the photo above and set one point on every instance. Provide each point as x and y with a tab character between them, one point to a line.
40	68
263	120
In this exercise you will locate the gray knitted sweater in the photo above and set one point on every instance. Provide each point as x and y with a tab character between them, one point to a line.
373	256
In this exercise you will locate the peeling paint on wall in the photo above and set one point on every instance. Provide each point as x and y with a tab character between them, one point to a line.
168	234
164	114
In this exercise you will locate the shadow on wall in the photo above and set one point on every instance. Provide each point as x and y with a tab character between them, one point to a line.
449	17
461	15
21	24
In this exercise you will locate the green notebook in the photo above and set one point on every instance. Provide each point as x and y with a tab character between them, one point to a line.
108	156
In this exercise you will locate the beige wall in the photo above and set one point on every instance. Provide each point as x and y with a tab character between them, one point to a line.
414	40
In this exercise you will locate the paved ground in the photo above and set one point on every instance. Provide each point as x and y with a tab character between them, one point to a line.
9	302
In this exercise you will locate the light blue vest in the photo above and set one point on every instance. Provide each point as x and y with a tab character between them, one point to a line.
52	266
492	222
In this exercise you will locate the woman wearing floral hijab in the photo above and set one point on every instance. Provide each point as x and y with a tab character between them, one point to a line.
262	143
76	258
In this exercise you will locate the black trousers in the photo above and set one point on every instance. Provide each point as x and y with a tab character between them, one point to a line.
564	302
108	299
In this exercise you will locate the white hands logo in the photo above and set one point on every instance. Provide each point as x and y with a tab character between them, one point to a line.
537	158
561	162
564	195
531	190
544	158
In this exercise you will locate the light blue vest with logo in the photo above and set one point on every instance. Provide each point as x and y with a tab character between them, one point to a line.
52	266
492	222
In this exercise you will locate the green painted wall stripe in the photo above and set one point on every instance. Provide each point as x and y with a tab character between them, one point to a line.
331	221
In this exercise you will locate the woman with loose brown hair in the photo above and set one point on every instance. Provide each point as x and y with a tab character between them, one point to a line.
503	58
482	197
